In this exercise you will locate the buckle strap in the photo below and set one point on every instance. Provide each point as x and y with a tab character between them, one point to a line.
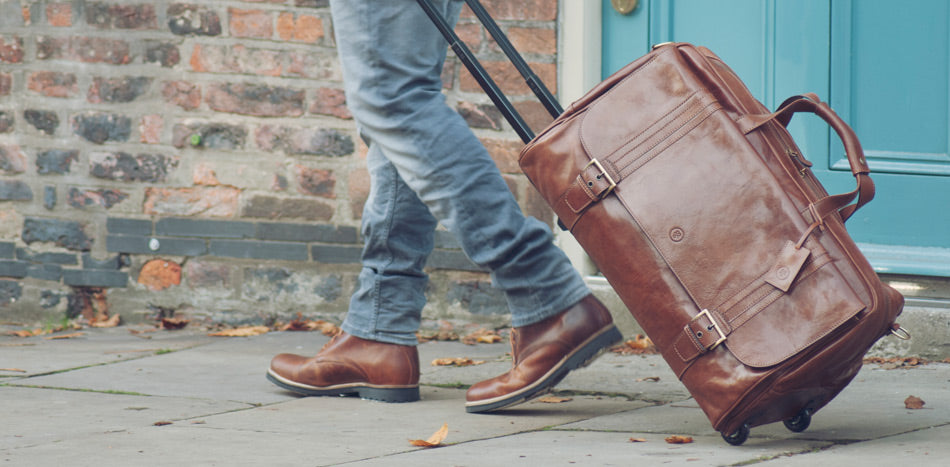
594	182
701	334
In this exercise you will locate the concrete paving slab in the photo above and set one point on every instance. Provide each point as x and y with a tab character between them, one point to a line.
926	447
39	355
35	417
589	448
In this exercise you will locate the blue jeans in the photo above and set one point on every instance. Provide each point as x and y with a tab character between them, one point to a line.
427	167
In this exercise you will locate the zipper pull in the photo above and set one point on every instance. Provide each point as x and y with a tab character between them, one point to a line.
797	157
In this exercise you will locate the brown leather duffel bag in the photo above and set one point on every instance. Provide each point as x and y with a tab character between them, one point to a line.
698	208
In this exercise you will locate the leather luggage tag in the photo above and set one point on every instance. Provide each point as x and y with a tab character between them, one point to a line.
786	268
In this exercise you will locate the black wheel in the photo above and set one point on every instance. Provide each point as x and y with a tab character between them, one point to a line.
800	422
739	437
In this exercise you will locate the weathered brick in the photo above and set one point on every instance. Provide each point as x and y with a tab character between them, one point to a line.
112	263
104	198
312	65
15	190
7	249
11	49
484	116
311	3
159	274
204	174
46	272
471	34
117	90
255	100
7	121
533	40
330	101
134	244
10	268
95	278
113	16
177	227
49	197
306	233
250	23
303	28
534	114
55	161
165	54
334	254
6	83
67	234
59	14
12	159
304	141
508	78
184	19
10	292
267	207
204	274
200	201
505	153
209	135
84	49
44	120
53	84
259	250
316	182
236	59
62	259
99	127
532	10
115	225
182	93
125	167
358	191
150	128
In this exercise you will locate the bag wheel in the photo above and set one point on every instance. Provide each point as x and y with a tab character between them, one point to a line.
738	437
800	422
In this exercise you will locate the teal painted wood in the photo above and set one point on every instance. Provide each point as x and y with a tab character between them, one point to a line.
885	69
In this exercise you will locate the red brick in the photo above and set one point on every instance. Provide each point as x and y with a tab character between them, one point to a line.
331	102
471	35
53	84
236	59
508	78
160	274
115	16
201	274
251	23
302	28
505	153
183	94
103	198
358	191
117	90
204	175
255	100
312	65
201	201
11	49
268	207
316	182
534	114
83	49
59	14
533	40
534	10
12	160
6	82
150	129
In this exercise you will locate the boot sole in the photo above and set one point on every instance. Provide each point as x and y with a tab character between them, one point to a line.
580	358
363	390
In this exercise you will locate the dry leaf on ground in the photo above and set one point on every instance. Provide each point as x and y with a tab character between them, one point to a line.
638	345
678	439
300	324
435	440
897	362
162	423
638	440
914	403
482	336
456	361
27	332
651	379
65	336
551	399
174	323
109	323
244	331
15	370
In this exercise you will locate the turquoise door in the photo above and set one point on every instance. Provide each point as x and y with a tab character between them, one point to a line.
884	66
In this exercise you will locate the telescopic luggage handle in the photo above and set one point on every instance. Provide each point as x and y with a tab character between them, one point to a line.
481	76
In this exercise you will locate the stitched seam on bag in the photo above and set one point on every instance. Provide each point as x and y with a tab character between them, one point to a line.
656	127
667	141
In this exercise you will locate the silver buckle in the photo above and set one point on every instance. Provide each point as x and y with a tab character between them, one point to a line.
715	325
606	175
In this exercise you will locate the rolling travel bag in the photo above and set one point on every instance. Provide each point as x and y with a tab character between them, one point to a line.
701	212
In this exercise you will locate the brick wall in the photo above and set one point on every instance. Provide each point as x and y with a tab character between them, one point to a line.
198	157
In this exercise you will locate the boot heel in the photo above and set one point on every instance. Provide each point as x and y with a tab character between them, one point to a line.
390	394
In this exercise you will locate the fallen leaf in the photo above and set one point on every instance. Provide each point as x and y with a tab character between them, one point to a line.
300	324
174	323
637	440
244	331
652	379
142	331
914	403
27	332
897	362
638	345
440	335
162	423
457	361
65	336
435	440
677	439
554	399
15	370
109	323
482	336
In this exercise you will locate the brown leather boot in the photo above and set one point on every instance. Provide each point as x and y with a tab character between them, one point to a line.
543	353
349	365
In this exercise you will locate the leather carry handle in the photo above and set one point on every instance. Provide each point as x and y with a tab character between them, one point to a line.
852	147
